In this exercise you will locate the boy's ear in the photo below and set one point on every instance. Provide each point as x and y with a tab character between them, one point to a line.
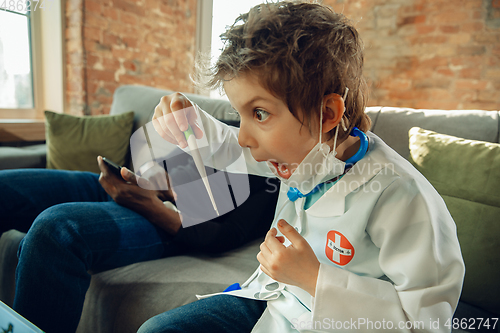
333	110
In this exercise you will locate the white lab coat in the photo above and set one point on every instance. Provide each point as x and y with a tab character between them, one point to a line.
388	249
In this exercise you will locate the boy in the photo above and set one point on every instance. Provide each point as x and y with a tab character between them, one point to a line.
360	240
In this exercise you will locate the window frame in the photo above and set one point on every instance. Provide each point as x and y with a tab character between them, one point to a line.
204	34
47	56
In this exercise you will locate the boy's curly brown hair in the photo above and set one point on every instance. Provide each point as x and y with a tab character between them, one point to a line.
300	51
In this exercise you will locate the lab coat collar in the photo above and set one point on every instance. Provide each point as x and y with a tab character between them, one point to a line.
332	203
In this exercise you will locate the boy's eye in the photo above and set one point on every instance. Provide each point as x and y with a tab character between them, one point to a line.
261	115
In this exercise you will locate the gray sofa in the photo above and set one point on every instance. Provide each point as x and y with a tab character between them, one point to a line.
120	300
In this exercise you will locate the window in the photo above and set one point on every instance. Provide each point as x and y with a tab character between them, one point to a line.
16	79
31	67
31	58
215	16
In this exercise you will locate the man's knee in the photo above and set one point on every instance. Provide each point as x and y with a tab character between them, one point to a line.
56	225
159	324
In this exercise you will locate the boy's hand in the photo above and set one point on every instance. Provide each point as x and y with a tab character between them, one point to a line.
172	116
296	264
148	203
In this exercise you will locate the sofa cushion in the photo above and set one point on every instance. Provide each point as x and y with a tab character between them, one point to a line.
73	143
9	244
467	175
31	156
126	297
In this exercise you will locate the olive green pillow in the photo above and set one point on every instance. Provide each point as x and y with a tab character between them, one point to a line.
467	175
73	143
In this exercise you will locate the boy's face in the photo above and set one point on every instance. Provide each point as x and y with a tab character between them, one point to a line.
267	126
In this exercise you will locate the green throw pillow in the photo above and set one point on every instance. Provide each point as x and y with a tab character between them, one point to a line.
73	143
467	175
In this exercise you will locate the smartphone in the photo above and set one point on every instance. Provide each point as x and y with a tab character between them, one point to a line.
113	167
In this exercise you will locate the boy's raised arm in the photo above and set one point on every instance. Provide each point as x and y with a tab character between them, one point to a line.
217	142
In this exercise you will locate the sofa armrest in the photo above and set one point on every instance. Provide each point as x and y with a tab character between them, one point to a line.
33	156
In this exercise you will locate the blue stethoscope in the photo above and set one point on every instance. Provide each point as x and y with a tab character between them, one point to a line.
294	193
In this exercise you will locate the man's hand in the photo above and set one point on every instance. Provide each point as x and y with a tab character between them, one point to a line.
149	203
295	265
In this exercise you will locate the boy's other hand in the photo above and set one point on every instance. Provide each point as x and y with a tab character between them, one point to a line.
295	265
172	117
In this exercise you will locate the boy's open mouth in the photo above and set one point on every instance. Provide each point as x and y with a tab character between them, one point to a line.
282	170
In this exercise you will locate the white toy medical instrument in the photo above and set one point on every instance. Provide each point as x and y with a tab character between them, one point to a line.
195	153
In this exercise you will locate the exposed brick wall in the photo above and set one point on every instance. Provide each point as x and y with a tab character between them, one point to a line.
419	53
148	42
75	87
429	53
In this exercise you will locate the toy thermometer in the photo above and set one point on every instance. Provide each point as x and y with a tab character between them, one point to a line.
193	146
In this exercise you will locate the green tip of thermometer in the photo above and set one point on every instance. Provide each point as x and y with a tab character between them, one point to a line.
195	153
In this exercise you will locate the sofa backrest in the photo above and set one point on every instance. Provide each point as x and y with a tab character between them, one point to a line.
143	100
391	124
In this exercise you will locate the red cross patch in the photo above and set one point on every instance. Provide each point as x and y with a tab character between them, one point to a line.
338	248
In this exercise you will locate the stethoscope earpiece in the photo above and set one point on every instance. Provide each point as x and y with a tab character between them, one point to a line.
362	148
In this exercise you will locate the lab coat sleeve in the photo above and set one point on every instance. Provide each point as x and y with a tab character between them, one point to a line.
419	253
223	151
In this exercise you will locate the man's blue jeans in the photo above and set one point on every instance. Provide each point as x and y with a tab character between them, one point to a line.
216	314
77	229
